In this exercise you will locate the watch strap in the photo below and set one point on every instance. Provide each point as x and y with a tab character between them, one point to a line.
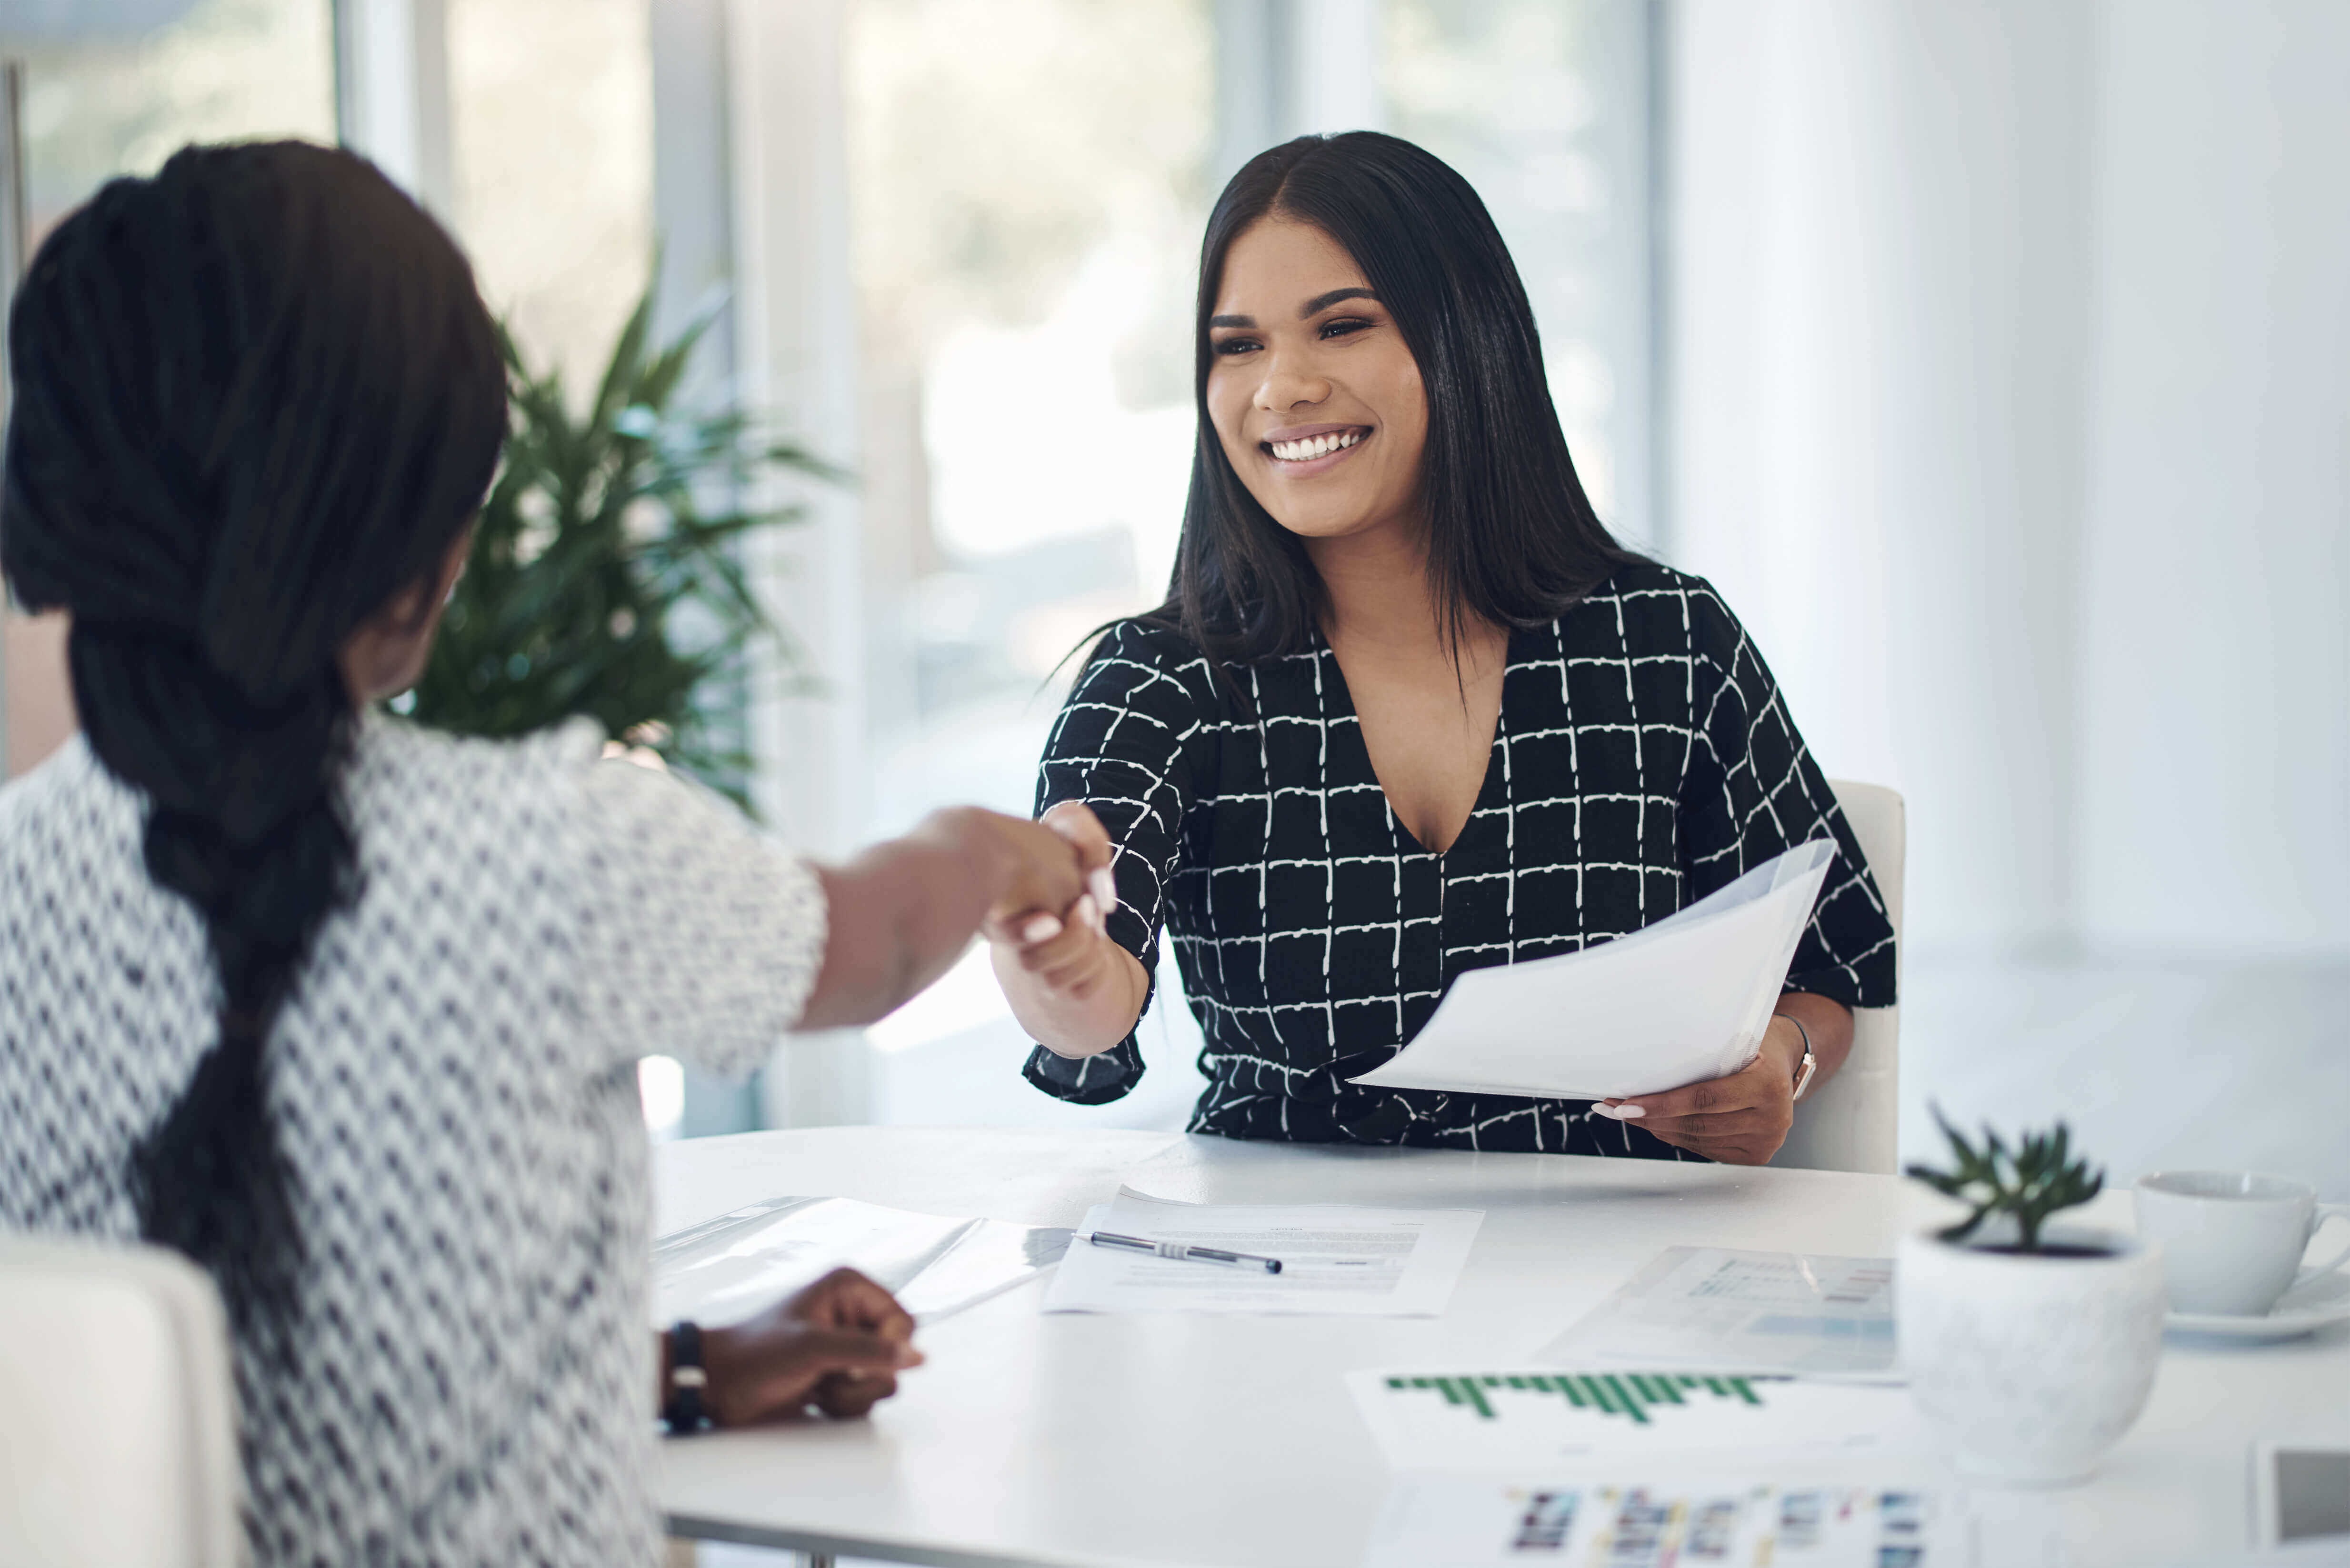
684	1409
1810	1065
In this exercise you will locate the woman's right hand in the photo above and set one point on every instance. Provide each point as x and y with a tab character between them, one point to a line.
1070	955
1072	987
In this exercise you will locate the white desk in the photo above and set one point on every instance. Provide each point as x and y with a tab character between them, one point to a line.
1125	1442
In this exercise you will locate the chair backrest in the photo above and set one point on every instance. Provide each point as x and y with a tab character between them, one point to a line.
118	1425
1852	1121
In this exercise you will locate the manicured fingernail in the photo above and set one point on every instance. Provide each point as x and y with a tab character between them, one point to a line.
1087	913
1601	1108
1104	888
1042	928
1629	1112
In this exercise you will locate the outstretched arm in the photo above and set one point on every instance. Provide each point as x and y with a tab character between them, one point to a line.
900	913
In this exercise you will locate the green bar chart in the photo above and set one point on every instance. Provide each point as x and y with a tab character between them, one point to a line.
1630	1394
1445	1417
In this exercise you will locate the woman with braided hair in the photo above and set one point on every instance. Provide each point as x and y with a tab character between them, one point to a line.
346	1011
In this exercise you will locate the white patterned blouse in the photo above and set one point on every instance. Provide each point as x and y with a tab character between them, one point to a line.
454	1077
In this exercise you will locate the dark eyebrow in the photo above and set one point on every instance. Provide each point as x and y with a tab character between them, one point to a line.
1321	302
1313	306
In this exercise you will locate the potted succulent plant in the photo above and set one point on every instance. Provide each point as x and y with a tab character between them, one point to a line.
2029	1346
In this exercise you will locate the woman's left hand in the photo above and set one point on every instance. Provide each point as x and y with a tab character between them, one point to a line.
1738	1120
839	1346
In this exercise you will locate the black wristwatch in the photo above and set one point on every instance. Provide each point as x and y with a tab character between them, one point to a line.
683	1410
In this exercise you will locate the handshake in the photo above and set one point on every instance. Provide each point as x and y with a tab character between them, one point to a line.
1049	925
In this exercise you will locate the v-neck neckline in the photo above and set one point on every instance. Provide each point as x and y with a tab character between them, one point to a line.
1341	705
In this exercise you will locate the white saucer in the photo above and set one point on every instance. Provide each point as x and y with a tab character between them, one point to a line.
2309	1305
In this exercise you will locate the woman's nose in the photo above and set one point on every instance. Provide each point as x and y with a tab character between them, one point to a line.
1288	382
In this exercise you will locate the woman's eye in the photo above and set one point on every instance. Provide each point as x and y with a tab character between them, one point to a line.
1228	346
1344	326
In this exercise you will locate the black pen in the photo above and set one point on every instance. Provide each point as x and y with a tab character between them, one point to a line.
1182	1252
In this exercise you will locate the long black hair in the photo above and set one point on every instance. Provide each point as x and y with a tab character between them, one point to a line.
1512	538
256	396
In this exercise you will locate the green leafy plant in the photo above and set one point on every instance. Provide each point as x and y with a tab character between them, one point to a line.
606	576
2030	1184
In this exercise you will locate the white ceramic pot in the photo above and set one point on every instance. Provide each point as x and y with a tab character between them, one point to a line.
2029	1368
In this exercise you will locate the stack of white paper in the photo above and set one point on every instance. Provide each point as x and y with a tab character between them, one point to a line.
1715	1309
1336	1260
1678	1003
744	1261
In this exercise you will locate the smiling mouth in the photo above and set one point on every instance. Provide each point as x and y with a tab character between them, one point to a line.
1311	447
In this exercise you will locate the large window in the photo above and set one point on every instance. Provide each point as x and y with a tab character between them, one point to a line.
99	104
1028	190
1544	105
103	96
1027	183
551	152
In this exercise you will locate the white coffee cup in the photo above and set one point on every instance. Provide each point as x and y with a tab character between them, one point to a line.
2232	1240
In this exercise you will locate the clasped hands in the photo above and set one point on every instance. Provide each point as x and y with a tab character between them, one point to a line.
836	1346
1067	951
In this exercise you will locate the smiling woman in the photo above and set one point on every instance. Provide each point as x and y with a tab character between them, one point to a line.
1410	710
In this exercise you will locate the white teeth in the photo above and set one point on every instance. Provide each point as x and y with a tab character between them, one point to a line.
1314	446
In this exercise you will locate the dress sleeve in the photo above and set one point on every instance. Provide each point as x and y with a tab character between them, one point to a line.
1753	792
701	937
1133	741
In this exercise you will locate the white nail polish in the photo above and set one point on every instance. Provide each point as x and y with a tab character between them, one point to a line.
1042	928
1105	890
1629	1112
1087	913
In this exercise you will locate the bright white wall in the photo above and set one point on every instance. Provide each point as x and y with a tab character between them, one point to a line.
2215	753
2010	395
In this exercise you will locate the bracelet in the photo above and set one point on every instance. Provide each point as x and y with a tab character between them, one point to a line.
684	1412
1810	1063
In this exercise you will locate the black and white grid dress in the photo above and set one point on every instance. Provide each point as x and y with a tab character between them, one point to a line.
1644	758
455	1079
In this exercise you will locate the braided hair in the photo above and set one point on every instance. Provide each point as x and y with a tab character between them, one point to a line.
256	398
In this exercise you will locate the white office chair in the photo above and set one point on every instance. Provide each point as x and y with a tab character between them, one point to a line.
118	1424
1852	1121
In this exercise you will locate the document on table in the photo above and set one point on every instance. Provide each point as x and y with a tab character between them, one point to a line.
1520	1420
728	1268
1475	1521
1336	1260
1679	1001
1712	1309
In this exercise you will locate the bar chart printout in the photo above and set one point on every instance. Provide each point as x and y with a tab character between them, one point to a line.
1473	1522
1627	1394
1506	1420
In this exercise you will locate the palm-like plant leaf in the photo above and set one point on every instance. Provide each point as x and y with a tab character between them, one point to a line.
606	576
